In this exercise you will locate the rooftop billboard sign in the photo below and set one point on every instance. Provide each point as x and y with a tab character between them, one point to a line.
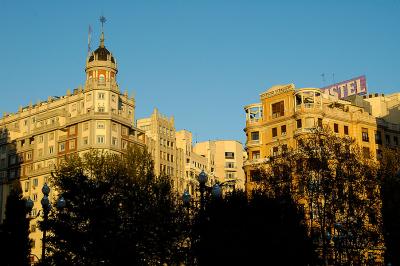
346	88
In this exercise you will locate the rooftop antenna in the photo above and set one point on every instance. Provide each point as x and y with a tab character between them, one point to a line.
323	79
89	38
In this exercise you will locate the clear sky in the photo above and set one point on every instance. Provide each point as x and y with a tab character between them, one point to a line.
200	61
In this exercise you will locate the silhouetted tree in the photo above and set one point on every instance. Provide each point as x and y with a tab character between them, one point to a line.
336	183
117	212
390	174
15	242
258	230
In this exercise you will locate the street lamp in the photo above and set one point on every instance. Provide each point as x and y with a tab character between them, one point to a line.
46	206
202	181
216	191
46	209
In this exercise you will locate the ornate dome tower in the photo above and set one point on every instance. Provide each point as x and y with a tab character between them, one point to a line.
101	66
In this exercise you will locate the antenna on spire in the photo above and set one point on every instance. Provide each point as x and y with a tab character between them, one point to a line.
102	21
89	38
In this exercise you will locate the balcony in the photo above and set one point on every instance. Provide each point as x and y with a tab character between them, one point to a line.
253	142
300	131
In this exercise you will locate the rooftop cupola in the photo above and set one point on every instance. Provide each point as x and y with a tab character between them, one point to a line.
101	64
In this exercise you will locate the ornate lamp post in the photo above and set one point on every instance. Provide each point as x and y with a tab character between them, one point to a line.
46	206
202	181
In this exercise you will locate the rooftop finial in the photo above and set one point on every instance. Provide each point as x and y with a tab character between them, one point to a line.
102	21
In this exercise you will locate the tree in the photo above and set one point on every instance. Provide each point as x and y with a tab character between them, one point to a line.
15	243
336	183
255	230
117	211
390	175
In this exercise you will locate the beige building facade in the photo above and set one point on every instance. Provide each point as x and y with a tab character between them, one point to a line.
162	144
225	159
284	113
36	138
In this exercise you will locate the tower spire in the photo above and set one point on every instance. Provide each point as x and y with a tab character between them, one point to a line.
102	21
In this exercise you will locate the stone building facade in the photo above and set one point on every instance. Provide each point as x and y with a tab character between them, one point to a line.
36	138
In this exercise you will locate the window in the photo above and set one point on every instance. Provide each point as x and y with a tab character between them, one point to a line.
72	130
396	140
230	175
275	151
255	155
29	155
101	109
364	134
85	126
85	140
100	139
255	175
114	127
113	98
283	130
255	135
100	96
298	122
51	149
114	141
366	153
387	139
274	132
34	197
284	148
124	145
100	125
229	155
336	128
278	109
319	122
124	131
61	147
35	182
346	130
378	137
229	165
71	144
26	186
40	140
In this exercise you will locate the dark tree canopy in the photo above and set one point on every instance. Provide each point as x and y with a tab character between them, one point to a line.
337	185
117	211
259	230
390	174
15	244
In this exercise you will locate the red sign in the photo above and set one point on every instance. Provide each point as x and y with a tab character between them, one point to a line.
346	88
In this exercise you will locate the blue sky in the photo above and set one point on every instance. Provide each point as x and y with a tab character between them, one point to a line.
200	61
